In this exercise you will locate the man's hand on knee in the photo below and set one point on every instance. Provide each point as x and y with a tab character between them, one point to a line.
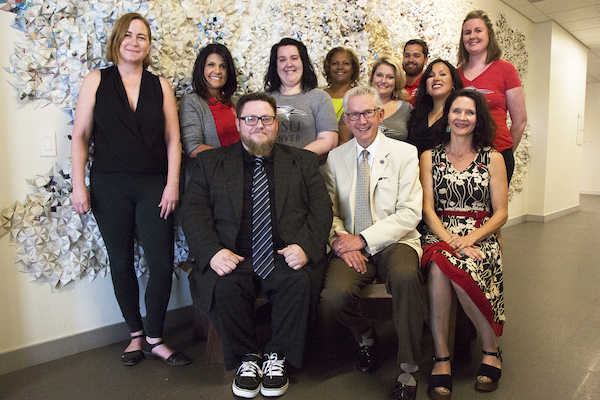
356	260
225	261
294	256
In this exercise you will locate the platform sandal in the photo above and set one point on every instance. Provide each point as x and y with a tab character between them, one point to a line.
131	358
490	372
440	381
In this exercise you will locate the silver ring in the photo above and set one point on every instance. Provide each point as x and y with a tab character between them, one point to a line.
462	253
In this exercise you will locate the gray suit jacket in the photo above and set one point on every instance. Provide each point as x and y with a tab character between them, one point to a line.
211	209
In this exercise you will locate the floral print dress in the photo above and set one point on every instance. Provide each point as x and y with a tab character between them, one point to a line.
463	203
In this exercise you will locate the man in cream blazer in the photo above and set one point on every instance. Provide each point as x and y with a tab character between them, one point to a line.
385	247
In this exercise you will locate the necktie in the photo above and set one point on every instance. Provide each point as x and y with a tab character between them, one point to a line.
262	234
362	210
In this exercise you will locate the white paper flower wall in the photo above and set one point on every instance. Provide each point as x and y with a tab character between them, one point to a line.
514	50
62	40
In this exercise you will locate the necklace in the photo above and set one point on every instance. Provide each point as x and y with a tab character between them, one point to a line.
457	159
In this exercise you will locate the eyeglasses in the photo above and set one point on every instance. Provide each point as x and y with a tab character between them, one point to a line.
368	114
252	120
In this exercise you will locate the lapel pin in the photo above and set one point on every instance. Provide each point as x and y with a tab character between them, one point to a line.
381	161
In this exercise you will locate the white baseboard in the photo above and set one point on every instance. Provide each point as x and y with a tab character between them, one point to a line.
515	221
551	216
55	349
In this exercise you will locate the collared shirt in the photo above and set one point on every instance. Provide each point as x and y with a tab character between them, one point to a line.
244	238
412	90
371	149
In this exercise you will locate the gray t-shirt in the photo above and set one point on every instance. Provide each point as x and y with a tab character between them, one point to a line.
395	126
301	116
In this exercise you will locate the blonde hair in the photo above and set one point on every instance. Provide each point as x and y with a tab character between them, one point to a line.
400	80
118	34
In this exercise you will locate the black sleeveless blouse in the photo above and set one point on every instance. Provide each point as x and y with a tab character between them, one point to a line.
124	140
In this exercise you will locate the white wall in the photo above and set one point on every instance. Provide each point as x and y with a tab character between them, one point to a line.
590	172
567	103
538	114
555	173
33	313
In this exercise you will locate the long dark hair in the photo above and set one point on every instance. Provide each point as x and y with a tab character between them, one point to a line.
485	127
309	77
423	101
199	83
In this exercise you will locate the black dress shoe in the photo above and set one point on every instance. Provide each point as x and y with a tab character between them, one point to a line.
175	359
403	392
131	358
366	361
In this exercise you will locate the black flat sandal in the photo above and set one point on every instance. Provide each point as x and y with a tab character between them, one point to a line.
440	381
131	358
490	372
176	359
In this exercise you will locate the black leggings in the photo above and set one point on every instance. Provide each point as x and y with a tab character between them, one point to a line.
509	161
120	202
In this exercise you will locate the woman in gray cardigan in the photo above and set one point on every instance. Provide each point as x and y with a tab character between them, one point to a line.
207	115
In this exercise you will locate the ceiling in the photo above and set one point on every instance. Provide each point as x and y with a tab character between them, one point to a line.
581	18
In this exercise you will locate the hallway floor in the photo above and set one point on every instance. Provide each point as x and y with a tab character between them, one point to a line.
551	341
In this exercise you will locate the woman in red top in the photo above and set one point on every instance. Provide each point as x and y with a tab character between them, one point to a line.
481	68
207	115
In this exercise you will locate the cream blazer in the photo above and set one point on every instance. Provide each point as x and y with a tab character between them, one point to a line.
395	188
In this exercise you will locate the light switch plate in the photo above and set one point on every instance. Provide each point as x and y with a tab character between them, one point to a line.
48	144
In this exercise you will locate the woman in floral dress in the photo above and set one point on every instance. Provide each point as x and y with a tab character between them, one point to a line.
465	203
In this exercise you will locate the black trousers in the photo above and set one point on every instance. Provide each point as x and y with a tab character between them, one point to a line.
509	161
120	202
233	312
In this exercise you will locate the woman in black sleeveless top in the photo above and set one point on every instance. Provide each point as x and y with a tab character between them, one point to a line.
130	115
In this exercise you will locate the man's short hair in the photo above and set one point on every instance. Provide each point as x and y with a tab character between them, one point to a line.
259	96
421	43
362	90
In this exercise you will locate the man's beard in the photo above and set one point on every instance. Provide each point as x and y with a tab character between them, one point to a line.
413	71
259	149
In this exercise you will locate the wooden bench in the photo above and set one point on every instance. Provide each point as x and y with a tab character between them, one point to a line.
371	297
374	302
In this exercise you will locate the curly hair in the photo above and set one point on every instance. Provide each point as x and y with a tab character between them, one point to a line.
353	58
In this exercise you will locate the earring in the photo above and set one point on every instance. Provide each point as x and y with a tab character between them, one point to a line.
447	128
453	88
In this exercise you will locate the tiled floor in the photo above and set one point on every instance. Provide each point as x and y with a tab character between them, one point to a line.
551	341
